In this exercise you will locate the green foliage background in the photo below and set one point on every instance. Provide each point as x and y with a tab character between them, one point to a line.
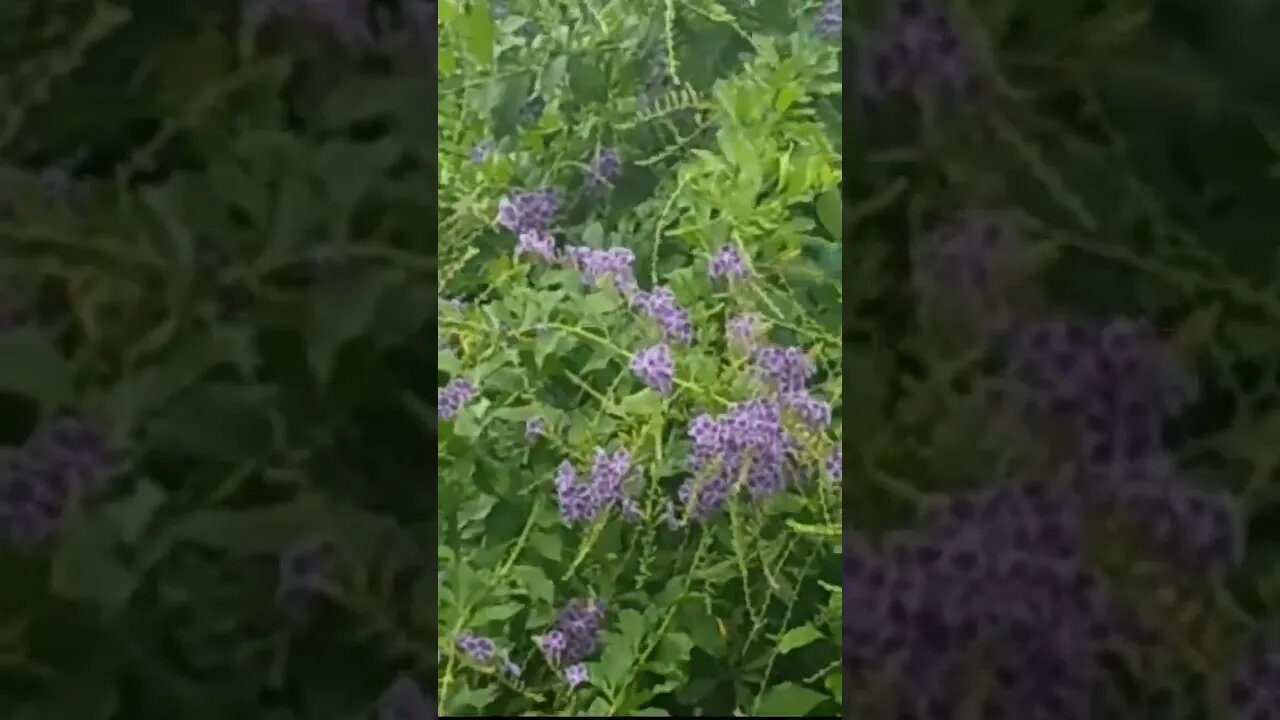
233	260
1135	145
741	144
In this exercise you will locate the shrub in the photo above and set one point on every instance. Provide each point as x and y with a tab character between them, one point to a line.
637	511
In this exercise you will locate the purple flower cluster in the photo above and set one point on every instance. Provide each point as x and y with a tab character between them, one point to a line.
743	330
538	243
404	700
997	576
479	649
918	53
583	502
604	169
306	574
660	306
830	20
808	409
42	481
521	212
834	465
748	444
783	369
1198	530
451	397
1253	689
959	269
1112	388
596	266
655	367
482	150
1114	385
728	263
575	635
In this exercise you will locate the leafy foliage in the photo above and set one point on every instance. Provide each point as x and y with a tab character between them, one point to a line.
1064	419
211	490
692	150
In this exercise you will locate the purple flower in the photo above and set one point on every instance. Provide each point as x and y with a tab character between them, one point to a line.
918	53
834	465
660	306
41	482
404	700
479	649
78	451
747	445
482	150
539	243
511	669
575	634
575	675
830	19
1253	690
597	266
784	369
607	488
306	572
604	169
655	367
743	329
1002	570
960	271
809	410
33	503
453	396
533	427
553	645
524	211
728	263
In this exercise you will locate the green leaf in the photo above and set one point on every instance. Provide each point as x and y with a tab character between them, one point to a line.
340	312
141	394
478	34
674	650
31	366
641	404
260	530
788	700
223	421
613	666
593	235
549	545
830	210
535	582
495	613
798	637
131	515
87	566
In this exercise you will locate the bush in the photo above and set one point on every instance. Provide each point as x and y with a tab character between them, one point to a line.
639	359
